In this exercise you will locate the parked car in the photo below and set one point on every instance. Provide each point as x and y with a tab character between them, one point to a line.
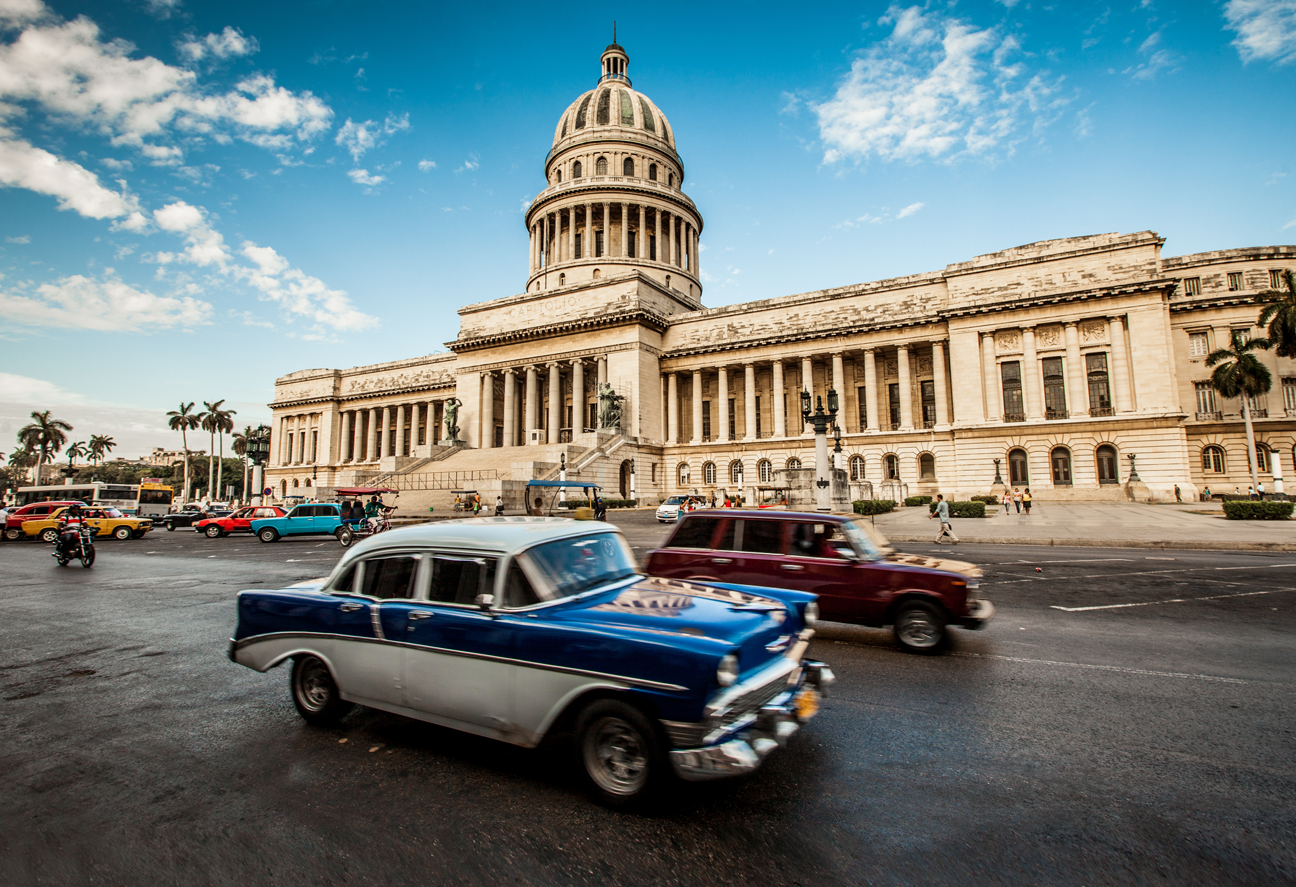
858	576
35	511
669	511
317	519
106	522
514	627
238	521
187	516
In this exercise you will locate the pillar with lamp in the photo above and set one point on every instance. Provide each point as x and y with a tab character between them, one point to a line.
821	420
258	452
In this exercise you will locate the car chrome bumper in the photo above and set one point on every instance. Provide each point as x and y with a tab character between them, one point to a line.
979	613
774	724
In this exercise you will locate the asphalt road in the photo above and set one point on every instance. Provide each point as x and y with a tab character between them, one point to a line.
1126	719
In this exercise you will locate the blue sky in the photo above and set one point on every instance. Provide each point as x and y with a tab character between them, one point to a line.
198	197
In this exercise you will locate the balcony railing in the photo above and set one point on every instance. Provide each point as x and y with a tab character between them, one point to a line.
764	434
1055	414
929	423
1014	417
1259	414
1102	411
1216	416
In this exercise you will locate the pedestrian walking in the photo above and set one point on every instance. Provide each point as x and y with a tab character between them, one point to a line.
1178	497
499	505
942	511
1250	492
1007	501
1026	497
1017	499
1260	490
1206	495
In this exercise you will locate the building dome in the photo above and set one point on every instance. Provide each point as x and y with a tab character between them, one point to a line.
616	106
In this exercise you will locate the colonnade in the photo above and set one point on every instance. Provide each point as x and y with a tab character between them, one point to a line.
368	435
552	398
298	439
584	231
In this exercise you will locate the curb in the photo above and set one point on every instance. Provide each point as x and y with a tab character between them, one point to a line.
1176	544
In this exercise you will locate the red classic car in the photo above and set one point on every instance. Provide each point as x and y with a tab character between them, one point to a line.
858	576
13	530
238	522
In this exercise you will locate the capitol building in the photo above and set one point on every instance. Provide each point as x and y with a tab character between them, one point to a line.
1056	365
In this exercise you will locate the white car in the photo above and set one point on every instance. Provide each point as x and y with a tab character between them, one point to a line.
669	511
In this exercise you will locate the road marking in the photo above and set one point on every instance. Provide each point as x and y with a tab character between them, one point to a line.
1142	573
1158	558
1177	600
1087	560
1117	668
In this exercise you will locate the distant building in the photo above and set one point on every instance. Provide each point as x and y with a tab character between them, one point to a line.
164	457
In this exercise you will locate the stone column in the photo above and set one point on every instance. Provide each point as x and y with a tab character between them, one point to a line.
993	388
749	400
839	377
587	244
641	241
697	406
607	228
697	256
434	429
906	388
384	435
602	372
555	401
532	403
1120	365
722	400
487	410
578	396
1031	375
780	418
807	384
625	229
672	408
670	235
657	214
357	435
873	404
510	408
345	437
571	233
400	431
1075	373
942	393
532	237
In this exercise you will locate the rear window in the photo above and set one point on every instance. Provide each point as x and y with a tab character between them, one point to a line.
762	536
694	532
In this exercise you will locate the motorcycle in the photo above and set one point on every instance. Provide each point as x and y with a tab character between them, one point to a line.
75	541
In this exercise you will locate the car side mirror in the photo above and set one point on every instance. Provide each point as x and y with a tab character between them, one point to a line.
485	601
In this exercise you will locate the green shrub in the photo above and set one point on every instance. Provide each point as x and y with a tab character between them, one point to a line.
988	500
610	503
873	506
1266	510
968	509
911	501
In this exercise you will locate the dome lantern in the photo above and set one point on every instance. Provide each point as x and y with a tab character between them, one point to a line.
615	62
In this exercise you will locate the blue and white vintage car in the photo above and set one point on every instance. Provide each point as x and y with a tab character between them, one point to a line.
512	627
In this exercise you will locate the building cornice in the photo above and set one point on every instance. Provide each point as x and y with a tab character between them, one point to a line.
1225	256
1006	259
1164	285
1228	301
617	185
642	316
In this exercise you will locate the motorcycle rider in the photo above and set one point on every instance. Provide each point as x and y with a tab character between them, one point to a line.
69	527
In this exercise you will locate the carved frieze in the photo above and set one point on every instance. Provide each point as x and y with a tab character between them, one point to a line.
1008	342
387	383
924	365
892	368
1093	331
859	372
1049	337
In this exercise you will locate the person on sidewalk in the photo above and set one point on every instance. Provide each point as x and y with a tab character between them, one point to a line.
942	511
1017	499
1250	492
499	505
1007	501
1260	490
1026	497
1178	497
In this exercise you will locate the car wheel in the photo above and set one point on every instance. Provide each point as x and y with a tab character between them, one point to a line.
620	752
13	534
213	531
344	536
315	693
122	533
919	628
49	535
170	525
138	534
268	534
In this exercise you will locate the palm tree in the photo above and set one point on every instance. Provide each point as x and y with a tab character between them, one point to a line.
183	420
23	459
1240	373
1280	315
215	421
44	436
75	449
100	446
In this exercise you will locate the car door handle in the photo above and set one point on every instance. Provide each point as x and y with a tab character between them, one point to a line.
347	608
795	568
419	614
722	560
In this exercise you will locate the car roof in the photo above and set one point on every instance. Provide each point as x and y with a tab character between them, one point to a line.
769	513
499	534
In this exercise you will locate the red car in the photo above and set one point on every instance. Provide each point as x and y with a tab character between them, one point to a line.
858	577
13	530
238	522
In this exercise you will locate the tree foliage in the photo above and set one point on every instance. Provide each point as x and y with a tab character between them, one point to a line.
1279	314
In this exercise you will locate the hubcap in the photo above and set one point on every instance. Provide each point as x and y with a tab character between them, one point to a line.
314	686
918	629
616	758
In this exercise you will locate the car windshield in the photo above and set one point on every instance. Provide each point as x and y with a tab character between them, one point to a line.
573	566
866	539
112	512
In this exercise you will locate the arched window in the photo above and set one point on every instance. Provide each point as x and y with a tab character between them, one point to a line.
652	172
600	166
735	472
1060	458
602	108
683	474
764	471
668	280
627	167
670	179
562	279
926	467
295	483
597	273
891	466
1018	468
307	482
1262	459
857	468
794	463
708	473
283	488
576	170
1108	465
1213	460
559	175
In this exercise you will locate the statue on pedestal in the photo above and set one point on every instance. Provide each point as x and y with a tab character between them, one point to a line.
609	407
451	417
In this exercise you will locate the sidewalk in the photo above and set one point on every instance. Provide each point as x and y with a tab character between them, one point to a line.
1192	525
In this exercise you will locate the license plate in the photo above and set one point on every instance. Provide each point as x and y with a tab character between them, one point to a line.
807	703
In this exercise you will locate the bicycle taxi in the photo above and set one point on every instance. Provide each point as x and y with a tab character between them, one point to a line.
353	529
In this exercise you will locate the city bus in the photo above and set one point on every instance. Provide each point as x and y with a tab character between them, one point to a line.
154	498
121	496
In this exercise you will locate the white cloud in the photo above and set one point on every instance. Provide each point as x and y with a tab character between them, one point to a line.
162	8
362	177
80	302
24	389
936	87
470	164
21	12
22	165
909	210
358	138
425	165
303	296
26	238
227	44
1266	29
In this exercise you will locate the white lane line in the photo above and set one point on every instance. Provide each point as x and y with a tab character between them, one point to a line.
1117	668
1176	600
1141	573
1087	560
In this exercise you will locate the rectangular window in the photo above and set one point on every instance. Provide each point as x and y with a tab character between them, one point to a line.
1205	400
598	243
578	245
314	446
389	578
593	416
893	401
1010	373
928	403
762	536
861	394
732	428
758	416
1192	286
1289	395
1198	344
1259	406
458	580
1275	279
632	242
1099	387
422	426
1235	281
652	247
1054	388
706	420
1242	334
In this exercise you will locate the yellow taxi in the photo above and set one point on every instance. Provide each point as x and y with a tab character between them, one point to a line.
107	521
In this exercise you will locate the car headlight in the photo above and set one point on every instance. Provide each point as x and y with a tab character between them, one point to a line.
727	673
811	614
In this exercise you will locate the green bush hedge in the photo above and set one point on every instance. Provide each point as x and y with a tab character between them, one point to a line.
911	501
1247	510
964	509
988	500
873	506
610	503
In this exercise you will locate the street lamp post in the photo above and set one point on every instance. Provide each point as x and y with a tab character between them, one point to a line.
258	450
562	476
821	420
